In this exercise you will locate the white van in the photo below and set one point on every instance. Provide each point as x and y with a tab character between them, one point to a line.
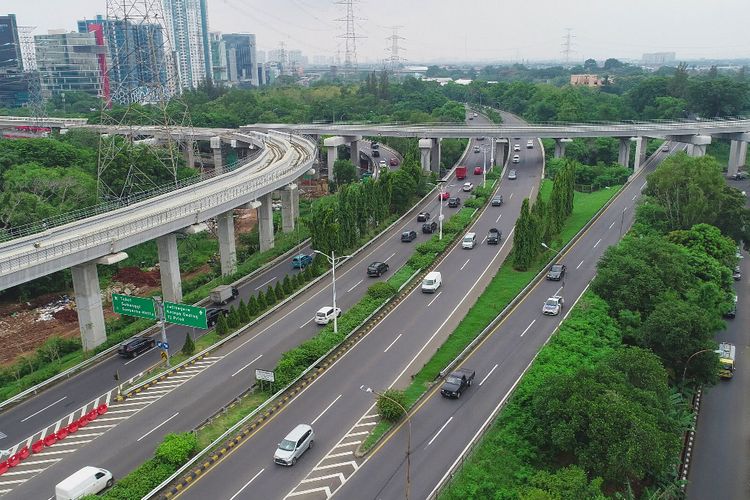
294	445
432	282
87	481
470	239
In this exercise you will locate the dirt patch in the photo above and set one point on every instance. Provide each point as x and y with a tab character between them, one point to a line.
137	277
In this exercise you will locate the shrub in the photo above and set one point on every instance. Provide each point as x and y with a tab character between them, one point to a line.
391	405
418	261
188	348
176	449
381	291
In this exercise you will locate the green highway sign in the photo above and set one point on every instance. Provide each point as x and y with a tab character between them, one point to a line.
183	314
133	306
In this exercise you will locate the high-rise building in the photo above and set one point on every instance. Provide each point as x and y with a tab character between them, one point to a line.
218	57
14	84
69	62
241	58
187	22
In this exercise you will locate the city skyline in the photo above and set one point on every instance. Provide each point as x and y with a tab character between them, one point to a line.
479	32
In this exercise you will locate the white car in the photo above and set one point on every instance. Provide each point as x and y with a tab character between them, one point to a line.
512	175
468	186
516	158
553	306
529	144
516	147
476	149
326	314
383	164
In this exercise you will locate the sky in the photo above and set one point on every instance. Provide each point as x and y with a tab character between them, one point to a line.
461	30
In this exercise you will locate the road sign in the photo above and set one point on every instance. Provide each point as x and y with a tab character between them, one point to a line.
165	346
264	375
133	306
159	344
164	355
186	315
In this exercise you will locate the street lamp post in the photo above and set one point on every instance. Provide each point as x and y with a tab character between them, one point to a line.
332	260
684	371
408	439
484	166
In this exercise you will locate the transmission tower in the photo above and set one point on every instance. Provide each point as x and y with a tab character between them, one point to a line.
37	102
350	58
394	61
139	79
567	45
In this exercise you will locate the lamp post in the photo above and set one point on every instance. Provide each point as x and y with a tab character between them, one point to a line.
332	260
408	439
684	371
439	185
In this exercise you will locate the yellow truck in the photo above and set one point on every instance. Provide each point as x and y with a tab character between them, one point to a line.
726	354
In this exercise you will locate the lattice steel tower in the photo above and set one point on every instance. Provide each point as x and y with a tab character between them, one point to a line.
350	37
140	89
567	45
37	102
394	60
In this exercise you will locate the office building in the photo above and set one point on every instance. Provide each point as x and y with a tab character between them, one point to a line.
14	83
241	58
218	57
187	22
69	62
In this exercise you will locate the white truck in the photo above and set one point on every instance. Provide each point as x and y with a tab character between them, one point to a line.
223	294
87	481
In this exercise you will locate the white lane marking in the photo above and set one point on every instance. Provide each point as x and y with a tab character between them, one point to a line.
488	375
324	489
342	454
438	432
337	475
361	433
138	356
355	285
527	328
40	411
498	218
250	363
27	471
338	464
433	300
613	223
327	408
462	267
644	185
558	291
597	242
391	344
152	430
634	197
511	196
579	265
531	192
389	257
49	460
349	443
247	484
305	323
365	424
264	284
483	240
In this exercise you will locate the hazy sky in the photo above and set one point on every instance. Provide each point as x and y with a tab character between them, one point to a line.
477	30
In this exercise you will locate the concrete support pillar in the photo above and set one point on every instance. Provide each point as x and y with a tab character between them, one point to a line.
265	223
698	144
89	305
501	153
737	156
333	155
189	151
354	153
169	268
288	209
425	148
559	148
641	143
435	156
623	158
227	247
216	150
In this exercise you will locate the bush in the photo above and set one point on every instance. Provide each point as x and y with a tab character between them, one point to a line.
176	449
418	261
188	348
381	291
391	405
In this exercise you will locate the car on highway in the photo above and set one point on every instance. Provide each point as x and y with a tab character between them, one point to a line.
429	227
553	306
423	216
471	118
556	272
457	382
737	274
408	236
476	149
516	159
86	481
494	236
529	144
467	187
294	445
477	170
497	200
135	346
480	138
516	147
445	195
375	145
383	164
376	269
469	241
276	205
212	315
393	162
454	202
326	314
475	115
432	282
375	153
665	147
512	175
301	261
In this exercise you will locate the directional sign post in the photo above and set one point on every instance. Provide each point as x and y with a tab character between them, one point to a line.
183	314
133	306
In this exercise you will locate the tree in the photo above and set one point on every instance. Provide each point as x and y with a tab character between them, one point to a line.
345	171
613	63
279	291
590	65
262	303
188	348
222	328
233	319
287	285
524	239
391	405
270	296
253	308
403	188
243	313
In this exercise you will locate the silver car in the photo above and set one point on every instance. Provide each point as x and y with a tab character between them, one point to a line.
294	445
553	306
512	175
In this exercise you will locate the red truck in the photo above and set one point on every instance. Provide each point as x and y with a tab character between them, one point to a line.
460	172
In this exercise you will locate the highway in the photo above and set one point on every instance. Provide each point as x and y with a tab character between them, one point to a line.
128	434
396	347
721	458
442	428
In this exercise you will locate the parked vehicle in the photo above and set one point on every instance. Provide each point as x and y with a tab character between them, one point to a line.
733	311
553	306
223	294
212	316
87	481
432	282
460	172
408	236
454	202
494	236
497	200
739	176
726	354
303	260
377	268
737	274
457	382
469	241
556	272
135	346
326	314
291	448
423	216
429	227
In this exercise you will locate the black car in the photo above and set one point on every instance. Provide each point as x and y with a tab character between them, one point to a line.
732	312
212	315
429	227
494	236
133	347
375	153
377	268
556	272
408	236
375	145
497	200
423	216
454	202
